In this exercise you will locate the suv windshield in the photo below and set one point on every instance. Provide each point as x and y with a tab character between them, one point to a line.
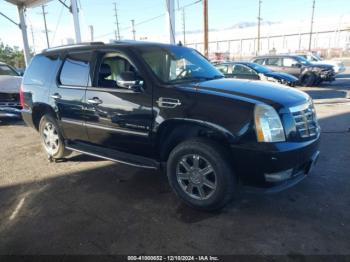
5	70
302	60
175	64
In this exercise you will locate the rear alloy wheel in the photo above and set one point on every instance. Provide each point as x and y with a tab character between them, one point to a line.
200	174
51	138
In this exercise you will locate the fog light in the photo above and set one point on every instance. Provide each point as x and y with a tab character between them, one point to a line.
279	176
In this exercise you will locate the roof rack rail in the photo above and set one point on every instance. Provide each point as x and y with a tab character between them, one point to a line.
73	45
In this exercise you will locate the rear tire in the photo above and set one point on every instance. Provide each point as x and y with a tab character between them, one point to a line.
51	138
308	79
200	174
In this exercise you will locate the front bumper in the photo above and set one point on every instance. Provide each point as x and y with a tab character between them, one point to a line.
327	76
287	162
10	112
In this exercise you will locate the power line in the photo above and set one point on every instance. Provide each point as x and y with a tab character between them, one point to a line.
12	21
58	20
146	20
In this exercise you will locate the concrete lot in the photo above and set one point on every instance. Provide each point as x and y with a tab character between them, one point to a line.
91	206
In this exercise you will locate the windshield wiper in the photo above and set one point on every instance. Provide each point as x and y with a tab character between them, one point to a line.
196	78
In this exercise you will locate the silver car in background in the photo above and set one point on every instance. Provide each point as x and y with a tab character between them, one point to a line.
10	82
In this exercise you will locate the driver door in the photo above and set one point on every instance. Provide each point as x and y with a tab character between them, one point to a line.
118	117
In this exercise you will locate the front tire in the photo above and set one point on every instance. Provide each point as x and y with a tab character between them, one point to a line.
200	174
51	138
308	79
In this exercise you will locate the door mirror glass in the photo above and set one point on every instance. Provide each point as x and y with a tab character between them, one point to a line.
129	80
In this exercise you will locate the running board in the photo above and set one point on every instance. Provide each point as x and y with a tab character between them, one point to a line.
113	155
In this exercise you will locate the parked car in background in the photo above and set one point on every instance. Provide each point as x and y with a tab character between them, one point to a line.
338	66
309	74
253	71
10	82
160	106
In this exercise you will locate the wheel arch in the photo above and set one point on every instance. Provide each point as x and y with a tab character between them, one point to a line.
173	131
38	110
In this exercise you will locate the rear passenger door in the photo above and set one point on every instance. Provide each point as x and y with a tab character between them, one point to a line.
274	63
291	66
68	96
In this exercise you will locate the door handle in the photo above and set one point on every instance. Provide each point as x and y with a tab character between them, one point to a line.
56	96
168	102
94	101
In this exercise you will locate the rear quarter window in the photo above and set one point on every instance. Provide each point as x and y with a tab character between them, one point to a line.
76	70
40	70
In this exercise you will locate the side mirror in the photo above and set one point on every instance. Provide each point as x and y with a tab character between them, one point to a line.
129	80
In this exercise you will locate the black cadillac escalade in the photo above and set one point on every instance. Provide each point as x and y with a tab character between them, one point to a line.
160	106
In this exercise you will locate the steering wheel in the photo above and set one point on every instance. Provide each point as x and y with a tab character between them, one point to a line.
184	72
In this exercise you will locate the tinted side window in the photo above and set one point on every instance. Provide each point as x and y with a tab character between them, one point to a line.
6	70
275	61
259	61
222	68
40	70
76	70
289	62
243	70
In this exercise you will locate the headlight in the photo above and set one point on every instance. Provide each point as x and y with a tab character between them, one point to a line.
268	124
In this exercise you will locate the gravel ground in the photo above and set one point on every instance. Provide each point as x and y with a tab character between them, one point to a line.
91	206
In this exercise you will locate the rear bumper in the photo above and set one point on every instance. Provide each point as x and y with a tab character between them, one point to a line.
275	167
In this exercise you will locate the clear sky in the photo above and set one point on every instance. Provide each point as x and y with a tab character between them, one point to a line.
100	14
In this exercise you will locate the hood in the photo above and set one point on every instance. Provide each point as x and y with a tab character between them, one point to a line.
10	84
320	65
270	93
328	62
283	76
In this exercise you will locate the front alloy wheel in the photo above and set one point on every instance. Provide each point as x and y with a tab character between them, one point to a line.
200	172
196	176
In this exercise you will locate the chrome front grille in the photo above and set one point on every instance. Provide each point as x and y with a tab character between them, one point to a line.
305	120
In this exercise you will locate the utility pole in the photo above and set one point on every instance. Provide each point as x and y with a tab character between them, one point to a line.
184	24
46	33
75	13
259	20
117	33
133	29
170	20
205	15
91	28
312	23
33	40
23	27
